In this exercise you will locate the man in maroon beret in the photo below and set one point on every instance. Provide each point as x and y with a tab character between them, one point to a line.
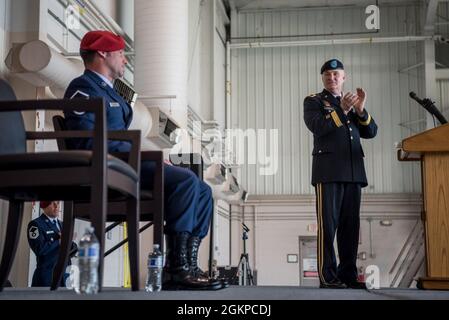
46	204
189	204
110	48
44	238
102	41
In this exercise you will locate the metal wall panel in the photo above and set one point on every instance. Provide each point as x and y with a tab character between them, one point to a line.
443	102
442	19
4	7
270	84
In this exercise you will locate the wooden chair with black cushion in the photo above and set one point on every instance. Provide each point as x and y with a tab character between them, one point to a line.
151	201
92	176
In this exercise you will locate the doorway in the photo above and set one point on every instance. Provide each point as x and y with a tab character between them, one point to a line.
308	270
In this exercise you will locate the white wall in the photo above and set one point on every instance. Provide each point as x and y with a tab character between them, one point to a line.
222	238
24	20
219	69
196	25
108	7
269	86
442	17
443	97
207	58
67	40
277	222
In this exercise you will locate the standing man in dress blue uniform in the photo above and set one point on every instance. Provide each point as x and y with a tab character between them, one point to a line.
189	203
44	237
337	122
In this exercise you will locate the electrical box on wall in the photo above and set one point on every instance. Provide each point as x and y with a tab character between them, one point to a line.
232	186
216	174
163	130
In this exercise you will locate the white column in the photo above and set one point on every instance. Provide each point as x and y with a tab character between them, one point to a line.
161	47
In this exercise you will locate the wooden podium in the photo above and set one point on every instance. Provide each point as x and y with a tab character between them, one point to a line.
432	149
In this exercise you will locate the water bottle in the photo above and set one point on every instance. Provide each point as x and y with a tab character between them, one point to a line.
154	279
88	257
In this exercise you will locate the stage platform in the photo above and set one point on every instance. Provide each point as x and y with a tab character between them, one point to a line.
231	293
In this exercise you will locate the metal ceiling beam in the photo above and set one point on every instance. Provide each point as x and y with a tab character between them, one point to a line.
279	6
244	3
321	42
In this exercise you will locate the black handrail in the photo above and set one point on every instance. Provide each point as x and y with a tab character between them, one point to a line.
121	243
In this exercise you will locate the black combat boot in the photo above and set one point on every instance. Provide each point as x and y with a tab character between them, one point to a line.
193	247
177	271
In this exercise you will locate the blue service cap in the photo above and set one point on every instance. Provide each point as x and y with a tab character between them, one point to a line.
332	64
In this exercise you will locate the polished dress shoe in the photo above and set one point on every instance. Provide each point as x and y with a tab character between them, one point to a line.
333	284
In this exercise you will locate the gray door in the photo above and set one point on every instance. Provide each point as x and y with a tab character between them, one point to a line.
308	271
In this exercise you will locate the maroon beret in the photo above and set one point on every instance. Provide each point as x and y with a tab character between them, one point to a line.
102	41
45	204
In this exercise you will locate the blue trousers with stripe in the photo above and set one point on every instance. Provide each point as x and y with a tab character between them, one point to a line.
338	211
188	200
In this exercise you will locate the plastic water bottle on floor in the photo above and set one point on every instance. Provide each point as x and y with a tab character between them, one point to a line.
88	257
154	279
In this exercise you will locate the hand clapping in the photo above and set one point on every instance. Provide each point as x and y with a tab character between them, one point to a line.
356	101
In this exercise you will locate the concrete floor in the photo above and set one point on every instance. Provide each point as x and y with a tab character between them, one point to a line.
231	293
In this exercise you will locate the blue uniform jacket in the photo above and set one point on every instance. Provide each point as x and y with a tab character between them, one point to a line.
118	112
337	152
43	238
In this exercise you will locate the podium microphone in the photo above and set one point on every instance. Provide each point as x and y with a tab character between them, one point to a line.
429	106
415	97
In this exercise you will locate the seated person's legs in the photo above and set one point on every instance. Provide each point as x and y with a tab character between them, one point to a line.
203	215
204	211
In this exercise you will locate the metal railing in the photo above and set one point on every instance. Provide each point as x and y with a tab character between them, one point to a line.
410	258
91	19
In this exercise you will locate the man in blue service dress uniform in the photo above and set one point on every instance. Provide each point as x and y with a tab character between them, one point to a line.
44	236
338	122
188	203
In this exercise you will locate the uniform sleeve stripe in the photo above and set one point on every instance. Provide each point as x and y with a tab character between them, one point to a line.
79	93
367	122
336	119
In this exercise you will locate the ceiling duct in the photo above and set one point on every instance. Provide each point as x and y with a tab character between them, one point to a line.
41	66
